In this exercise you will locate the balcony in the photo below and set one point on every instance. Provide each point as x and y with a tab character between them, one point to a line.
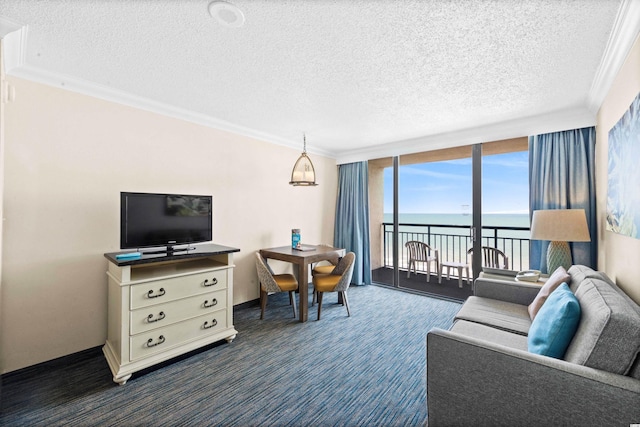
452	242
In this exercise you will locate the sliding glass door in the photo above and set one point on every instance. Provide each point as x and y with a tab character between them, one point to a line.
425	198
505	201
436	198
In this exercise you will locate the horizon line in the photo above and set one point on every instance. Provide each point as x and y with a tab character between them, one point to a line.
461	213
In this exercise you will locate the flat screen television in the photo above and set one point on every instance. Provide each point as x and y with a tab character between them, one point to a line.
155	220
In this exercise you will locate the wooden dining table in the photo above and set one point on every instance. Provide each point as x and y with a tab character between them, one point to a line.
303	258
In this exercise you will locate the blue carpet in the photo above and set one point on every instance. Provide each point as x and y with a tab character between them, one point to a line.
365	370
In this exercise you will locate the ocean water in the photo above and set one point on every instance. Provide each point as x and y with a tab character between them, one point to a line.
496	220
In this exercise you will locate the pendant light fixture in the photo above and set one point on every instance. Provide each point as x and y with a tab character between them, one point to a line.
303	172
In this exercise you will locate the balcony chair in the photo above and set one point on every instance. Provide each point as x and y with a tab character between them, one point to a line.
421	252
492	258
271	283
338	281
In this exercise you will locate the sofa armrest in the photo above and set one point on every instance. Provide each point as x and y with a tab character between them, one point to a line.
506	290
475	382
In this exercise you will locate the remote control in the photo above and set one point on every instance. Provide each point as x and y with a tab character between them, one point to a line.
129	255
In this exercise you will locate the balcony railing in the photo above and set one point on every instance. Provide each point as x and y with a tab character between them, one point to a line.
453	242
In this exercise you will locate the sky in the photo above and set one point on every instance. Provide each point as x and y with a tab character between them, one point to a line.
445	187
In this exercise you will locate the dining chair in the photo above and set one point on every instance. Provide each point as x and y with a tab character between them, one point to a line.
321	267
338	281
421	252
271	283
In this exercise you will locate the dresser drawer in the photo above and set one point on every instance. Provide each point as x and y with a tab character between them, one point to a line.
163	290
162	339
159	315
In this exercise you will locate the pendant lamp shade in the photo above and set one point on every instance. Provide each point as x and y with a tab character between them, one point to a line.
303	172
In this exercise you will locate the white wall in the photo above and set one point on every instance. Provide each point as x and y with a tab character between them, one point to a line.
3	96
618	256
68	156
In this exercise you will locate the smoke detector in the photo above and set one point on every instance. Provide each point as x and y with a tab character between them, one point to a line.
226	14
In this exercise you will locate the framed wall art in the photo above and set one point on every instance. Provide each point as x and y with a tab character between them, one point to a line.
623	186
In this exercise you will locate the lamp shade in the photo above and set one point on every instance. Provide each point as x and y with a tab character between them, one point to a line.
303	172
563	225
559	226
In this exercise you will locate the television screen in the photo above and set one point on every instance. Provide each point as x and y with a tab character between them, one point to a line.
148	220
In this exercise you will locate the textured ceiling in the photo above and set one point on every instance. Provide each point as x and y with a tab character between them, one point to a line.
351	74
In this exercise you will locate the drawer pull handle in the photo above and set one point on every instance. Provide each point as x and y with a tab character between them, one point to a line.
214	281
213	302
150	318
150	342
159	294
206	325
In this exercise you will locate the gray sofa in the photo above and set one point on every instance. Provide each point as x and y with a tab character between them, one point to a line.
480	372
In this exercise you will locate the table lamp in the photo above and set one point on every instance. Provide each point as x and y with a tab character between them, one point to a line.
559	226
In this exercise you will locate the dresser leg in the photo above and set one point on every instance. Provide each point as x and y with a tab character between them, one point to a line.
122	380
231	338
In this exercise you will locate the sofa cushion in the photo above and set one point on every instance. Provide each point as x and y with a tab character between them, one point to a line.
555	324
622	293
521	293
499	314
608	336
491	334
634	371
578	274
559	276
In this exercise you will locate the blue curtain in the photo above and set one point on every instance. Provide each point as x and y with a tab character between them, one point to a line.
562	176
352	218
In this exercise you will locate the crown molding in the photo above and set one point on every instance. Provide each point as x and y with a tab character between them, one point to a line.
544	123
621	39
14	39
112	95
554	121
8	26
623	35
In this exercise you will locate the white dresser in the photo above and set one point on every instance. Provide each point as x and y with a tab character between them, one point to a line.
164	305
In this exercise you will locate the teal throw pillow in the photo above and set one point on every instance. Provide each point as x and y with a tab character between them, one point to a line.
555	324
